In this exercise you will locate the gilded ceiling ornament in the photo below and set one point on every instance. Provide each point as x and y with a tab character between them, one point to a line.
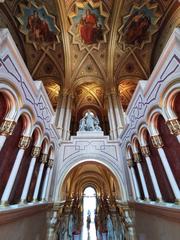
38	26
88	24
139	26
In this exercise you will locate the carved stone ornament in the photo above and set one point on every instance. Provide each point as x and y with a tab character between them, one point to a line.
24	142
145	151
44	158
35	152
50	163
157	141
137	157
130	162
7	127
174	126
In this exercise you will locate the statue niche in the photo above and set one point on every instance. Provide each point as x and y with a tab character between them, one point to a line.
89	122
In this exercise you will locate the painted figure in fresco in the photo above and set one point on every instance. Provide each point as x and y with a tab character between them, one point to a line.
89	29
136	27
38	29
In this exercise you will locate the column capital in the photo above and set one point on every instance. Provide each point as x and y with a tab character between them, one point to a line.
43	158
113	91
35	151
137	157
7	127
130	162
174	126
145	151
157	141
50	163
24	142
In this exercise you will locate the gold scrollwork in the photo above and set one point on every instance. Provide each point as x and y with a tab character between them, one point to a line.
44	158
24	142
137	157
157	141
7	127
145	151
174	126
35	152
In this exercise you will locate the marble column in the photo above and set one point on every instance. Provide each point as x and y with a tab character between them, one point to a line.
113	122
67	117
146	153
130	164
62	112
158	143
109	117
135	183
137	159
49	184
35	153
47	177
6	129
174	127
118	116
23	145
38	182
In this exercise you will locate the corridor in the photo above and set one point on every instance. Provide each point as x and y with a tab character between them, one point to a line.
88	234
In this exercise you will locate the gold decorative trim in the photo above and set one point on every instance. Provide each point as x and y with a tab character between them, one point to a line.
44	158
130	162
137	157
174	126
157	141
50	163
7	127
35	152
145	151
24	142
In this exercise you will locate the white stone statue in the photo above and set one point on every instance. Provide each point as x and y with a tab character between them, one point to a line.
89	123
110	228
70	227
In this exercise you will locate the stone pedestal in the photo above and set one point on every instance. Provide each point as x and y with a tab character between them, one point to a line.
90	134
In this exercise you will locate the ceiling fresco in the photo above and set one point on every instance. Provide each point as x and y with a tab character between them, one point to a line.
88	24
38	26
90	46
139	25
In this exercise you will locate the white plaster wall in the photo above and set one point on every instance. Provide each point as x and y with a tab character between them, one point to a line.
90	146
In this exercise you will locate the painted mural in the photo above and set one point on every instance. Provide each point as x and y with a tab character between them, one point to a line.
88	24
38	26
139	25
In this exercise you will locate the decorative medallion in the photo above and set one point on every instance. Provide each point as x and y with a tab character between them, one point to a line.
139	26
89	24
38	26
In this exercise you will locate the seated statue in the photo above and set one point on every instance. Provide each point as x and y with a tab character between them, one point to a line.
89	123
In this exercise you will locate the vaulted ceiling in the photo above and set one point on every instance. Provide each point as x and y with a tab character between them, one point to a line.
91	174
117	44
